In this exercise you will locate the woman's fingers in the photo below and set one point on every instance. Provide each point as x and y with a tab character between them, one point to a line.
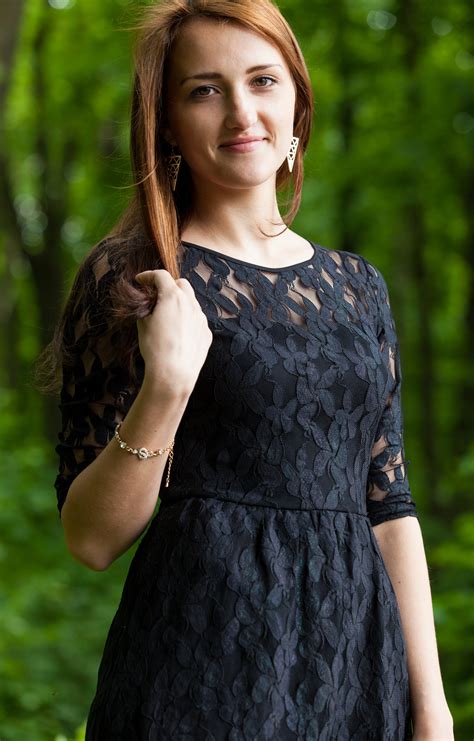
157	278
150	277
186	286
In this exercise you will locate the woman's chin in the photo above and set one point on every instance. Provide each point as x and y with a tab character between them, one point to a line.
248	177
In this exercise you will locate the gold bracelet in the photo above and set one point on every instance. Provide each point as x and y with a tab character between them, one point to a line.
143	453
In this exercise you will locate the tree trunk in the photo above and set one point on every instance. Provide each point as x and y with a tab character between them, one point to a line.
345	64
9	363
415	250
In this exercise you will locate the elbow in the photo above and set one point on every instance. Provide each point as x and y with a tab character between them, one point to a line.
96	565
88	557
85	552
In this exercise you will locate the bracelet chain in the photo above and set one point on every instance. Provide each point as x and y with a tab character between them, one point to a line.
144	453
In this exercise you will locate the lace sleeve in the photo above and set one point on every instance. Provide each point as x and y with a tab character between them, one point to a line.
96	390
388	489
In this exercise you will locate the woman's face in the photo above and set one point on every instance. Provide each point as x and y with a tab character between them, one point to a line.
226	83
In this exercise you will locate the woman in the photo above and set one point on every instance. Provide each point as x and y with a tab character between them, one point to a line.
281	592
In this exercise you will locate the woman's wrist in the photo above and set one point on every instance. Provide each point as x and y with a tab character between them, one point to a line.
163	390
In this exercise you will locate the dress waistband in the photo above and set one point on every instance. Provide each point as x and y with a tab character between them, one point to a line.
168	501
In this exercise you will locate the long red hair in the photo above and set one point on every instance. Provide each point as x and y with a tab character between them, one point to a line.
147	235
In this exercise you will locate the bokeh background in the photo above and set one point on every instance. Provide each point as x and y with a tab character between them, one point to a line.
389	174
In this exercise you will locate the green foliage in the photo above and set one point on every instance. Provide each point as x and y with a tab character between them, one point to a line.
55	613
80	734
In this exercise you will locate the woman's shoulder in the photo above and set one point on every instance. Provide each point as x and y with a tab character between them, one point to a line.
91	305
97	324
100	264
108	262
354	262
365	276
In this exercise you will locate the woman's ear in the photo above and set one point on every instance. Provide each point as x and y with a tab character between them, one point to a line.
166	134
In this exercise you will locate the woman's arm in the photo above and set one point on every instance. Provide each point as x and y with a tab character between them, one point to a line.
401	543
107	497
111	501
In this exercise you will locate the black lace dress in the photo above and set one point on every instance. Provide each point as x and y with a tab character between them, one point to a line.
257	605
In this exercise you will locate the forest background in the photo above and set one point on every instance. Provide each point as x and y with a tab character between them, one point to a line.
389	174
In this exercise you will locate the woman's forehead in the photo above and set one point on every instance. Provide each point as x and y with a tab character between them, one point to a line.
208	43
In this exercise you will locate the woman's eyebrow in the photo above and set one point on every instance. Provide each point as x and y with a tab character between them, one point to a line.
218	76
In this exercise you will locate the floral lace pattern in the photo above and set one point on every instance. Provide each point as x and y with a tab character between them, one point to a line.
257	605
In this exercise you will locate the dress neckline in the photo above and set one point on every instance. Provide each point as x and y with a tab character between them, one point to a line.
252	264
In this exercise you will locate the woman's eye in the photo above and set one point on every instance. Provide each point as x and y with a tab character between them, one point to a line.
197	92
266	78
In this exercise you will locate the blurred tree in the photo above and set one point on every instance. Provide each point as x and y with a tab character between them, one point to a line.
11	17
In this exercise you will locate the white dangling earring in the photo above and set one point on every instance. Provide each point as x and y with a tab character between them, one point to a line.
292	152
173	163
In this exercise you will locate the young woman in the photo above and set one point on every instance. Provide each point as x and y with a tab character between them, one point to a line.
250	379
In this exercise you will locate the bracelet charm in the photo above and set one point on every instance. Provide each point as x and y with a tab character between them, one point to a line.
144	453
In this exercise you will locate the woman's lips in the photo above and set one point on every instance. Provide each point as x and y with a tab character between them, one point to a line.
243	146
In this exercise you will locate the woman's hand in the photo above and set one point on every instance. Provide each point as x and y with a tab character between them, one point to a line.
175	338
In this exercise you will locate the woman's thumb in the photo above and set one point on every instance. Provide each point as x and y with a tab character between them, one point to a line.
146	276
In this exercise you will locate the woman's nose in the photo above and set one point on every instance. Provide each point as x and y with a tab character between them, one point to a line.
241	111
